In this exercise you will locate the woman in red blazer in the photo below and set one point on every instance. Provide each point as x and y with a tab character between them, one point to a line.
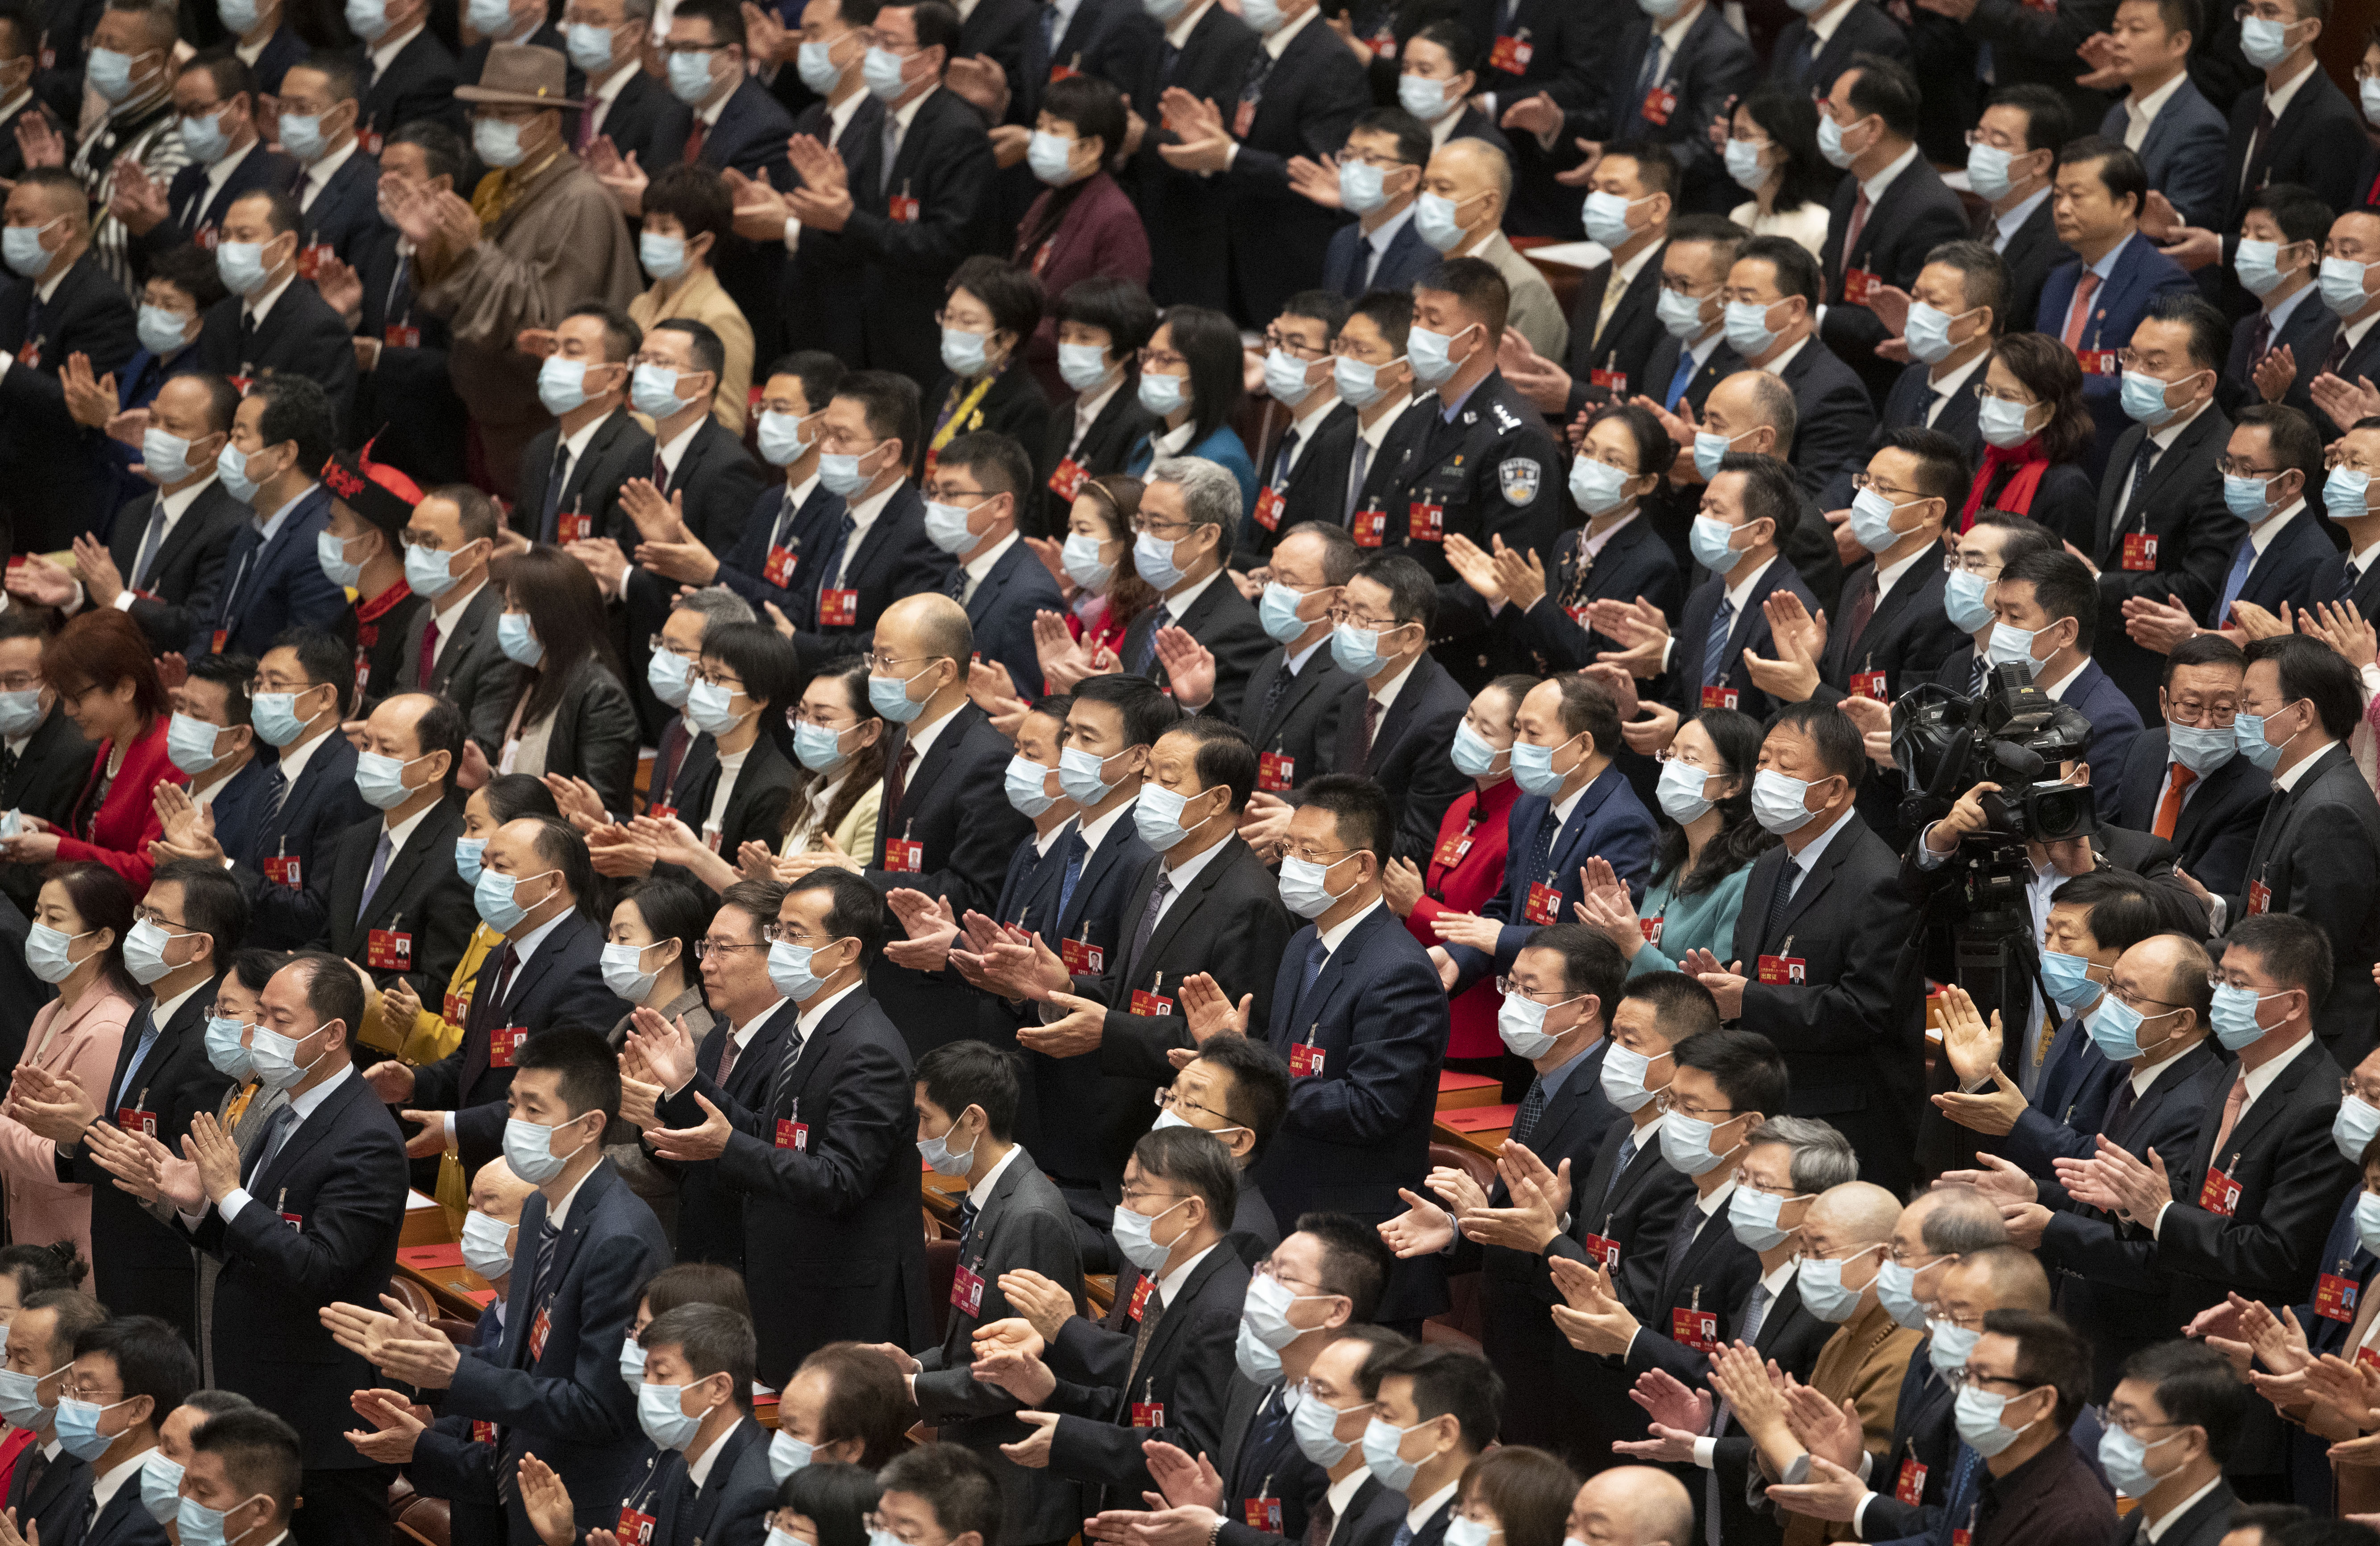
1083	225
99	667
1467	867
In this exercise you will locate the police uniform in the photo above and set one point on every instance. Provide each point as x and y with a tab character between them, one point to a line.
1491	472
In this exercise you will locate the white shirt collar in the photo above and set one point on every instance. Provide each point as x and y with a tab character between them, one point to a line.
1087	408
980	1193
1739	593
2106	266
1181	873
906	114
402	831
2147	1074
390	47
1180	601
1420	1513
1874	188
2355	331
1297	663
2262	1079
2361	559
560	1212
1173	1281
2288	781
1095	832
1171	442
1886	577
1951	384
575	442
1807	858
1336	935
2057	689
162	1012
1386	696
261	307
9	109
1384	234
319	176
698	1471
180	500
103	1487
1179	33
311	1102
2156	1532
220	173
1279	38
2277	102
269	527
449	606
840	116
923	739
1569	803
2261	535
2277	313
2005	226
2143	112
807	1020
295	758
1595	546
526	946
1823	27
979	567
673	451
1376	433
1674	35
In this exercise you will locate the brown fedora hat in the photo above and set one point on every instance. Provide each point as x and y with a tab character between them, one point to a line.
519	74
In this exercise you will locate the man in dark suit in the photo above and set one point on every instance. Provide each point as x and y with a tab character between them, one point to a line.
1886	217
45	759
1830	1007
1691	356
985	480
309	1218
393	902
1300	480
217	90
874	551
2096	301
58	1491
2182	140
2354	238
553	1385
548	973
1188	513
273	581
632	108
735	126
1394	730
2291	313
688	1348
450	647
2027	126
2272	456
1371	376
232	779
22	37
160	1078
1012	1220
1614	324
825	1161
1804	60
1380	249
1616	558
69	306
2188	1395
124	1363
2183	780
765	565
409	73
2037	596
1451	1397
336	183
279	324
406	399
2164	532
1188	244
244	1471
824	279
1662	81
1576	804
1834	418
571	475
1292	700
1965	286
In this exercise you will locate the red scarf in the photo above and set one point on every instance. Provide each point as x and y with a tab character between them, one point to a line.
2017	498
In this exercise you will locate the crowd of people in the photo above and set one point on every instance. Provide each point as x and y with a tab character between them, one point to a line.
898	704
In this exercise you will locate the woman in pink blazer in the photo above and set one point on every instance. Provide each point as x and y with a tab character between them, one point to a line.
1083	225
79	923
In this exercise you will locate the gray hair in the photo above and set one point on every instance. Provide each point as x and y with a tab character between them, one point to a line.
1209	494
1499	165
1773	400
1822	1157
1964	1221
719	605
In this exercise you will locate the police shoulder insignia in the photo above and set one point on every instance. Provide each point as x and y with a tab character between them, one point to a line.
1518	476
1504	420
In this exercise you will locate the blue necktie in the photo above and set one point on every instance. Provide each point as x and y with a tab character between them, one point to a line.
1678	381
832	563
277	1127
146	1038
1627	1157
1315	954
1715	642
2241	562
1780	901
1145	656
1541	850
1075	850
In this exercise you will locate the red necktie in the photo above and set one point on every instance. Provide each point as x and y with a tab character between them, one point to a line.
428	655
694	143
1851	232
2169	808
2079	311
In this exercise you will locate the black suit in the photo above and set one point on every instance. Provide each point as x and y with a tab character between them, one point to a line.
1298	720
1189	245
407	398
750	138
618	450
1905	407
2179	504
1103	452
178	589
1836	414
2307	333
469	662
646	121
594	732
1311	486
1301	104
711	1212
1220	618
2205	1523
1703	1268
894	559
45	781
717	481
825	278
1916	214
422	901
1799	62
1260	1461
1923	1430
193	212
832	1247
945	165
1710	68
125	1521
321	805
1635	562
2303	148
2033	250
319	1226
2220	816
1408	757
300	335
1790	1337
1747	628
41	445
1907	631
343	218
1002	610
58	1498
562	984
2314	854
1853	1039
767	527
417	83
1610	366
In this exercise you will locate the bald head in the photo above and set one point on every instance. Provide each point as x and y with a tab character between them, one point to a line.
2170	967
1748	400
1633	1505
927	623
1857	1213
498	1192
2001	1277
1476	166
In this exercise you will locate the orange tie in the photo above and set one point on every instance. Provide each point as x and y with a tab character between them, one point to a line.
2232	1105
2079	311
2169	808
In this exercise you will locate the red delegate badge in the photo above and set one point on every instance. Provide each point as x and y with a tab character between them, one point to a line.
1659	103
635	1527
1909	1487
1262	1514
572	526
1790	971
902	208
1244	118
966	1292
540	1329
1651	929
778	568
793	1134
1720	697
1371	527
1067	480
1306	1059
2334	1297
1604	1249
904	855
1425	523
1148	1414
2139	550
1276	772
389	950
483	1431
2098	362
2260	898
1081	957
1543	905
838	609
1869	684
2218	1193
1139	1297
1695	1329
282	870
1857	282
1451	849
1613	381
1269	503
503	1042
1512	54
1147	1002
397	335
133	1119
2367	1357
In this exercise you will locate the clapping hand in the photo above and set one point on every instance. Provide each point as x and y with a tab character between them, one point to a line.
1208	1010
397	1423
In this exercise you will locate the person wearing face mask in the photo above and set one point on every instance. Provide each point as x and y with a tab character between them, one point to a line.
1614	322
410	67
2023	1391
687	217
1378	180
1190	509
48	1325
1576	804
336	191
1465	189
557	706
130	67
1095	330
974	492
109	687
1372	376
633	109
2033	432
1748	505
2351	253
1302	480
1081	226
1192	380
2279	264
1012	1220
990	307
2172	1429
129	1372
1772	294
215	99
556	239
281	436
370	503
2348	499
1290	708
875	550
820	1156
1886	217
2037	596
51	755
158	1483
648	954
1957	302
274	321
1771	151
2164	115
571	474
450	649
2268	466
1393	728
843	1415
2183	779
20	103
731	790
58	298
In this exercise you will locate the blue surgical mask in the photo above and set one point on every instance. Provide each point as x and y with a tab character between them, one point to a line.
1157	817
819	747
231	466
466	857
144	951
1434	222
689	77
2357	1124
1431	355
941	1160
653	390
881	71
1963	601
2115	1028
161	1475
1163	395
589	46
1424	98
2013	646
1977	1417
2142	398
1950	1345
1082	774
1164	10
274	716
1131	1232
230	1059
1752	1215
2125	1458
2247	498
1355	651
841	474
1824	1293
2264	41
1285	376
1830	143
241	265
1987	173
1082	366
1682	315
1362	185
1474	756
670	674
1744	168
302	136
496	896
489	19
561	385
1025	783
429	573
2004	423
381	780
109	72
1357	381
946	526
21	715
1382	1439
1679	792
1928	333
1606	217
889	696
275	1057
196	1523
1712	540
1313	1425
204	138
2348	493
623	969
1896	1290
665	1422
817	68
663	256
1153	556
487	1244
2202	748
1277	611
1777	802
2367	1222
781	443
528	1149
966	354
1711	449
1748	332
2233	1014
161	331
2248	733
711	706
2068	978
369	18
1051	157
1258	1364
497	142
1685	1144
331	552
1871	522
167	458
239	16
1532	767
1305	886
1080	557
2258	264
1599	487
513	638
786	1455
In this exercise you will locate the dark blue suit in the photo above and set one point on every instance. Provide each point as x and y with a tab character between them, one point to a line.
744	569
1682	684
2067	1106
1359	1129
239	808
1608	821
1905	405
1002	614
320	806
345	214
1407	259
271	586
193	213
2343	1253
2114	723
750	137
2220	813
2184	152
282	50
2284	570
560	1396
2139	275
449	1463
2307	333
125	1521
137	385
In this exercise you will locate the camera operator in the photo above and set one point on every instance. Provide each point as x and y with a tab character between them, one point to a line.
2047	607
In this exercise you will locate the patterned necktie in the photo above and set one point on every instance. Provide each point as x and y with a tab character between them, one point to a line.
1371	732
380	853
427	661
276	791
1318	1520
1273	691
277	1127
1145	657
1076	851
2260	152
968	1212
1157	896
1355	469
506	959
892	149
1288	442
1862	609
1780	899
896	781
2348	576
554	481
1315	954
1722	624
1858	224
546	1236
1532	1110
150	541
1681	1240
1152	1310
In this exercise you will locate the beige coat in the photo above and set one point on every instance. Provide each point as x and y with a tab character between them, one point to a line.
1534	315
560	242
701	299
1863	1361
83	1045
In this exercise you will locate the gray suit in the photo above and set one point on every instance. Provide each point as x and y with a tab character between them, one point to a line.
2184	152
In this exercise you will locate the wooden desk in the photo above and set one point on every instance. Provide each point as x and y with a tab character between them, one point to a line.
1480	1128
1457	1090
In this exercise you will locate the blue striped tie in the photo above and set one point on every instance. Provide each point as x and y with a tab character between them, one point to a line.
1715	642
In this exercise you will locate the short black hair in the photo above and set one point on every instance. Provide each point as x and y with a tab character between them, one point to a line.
1681	1005
2194	1386
1591	962
2118	167
588	1069
1745	1065
1477	286
1012	295
281	213
710	350
1983	275
439	727
1326	306
1356	1260
818	371
713	1339
726	17
2210	331
966	1073
762	659
1148	714
2312	670
297	410
2203	648
1448	1380
1119	306
1942	471
2296	209
212	903
2295	952
1887	88
938	27
1210	342
562	846
1840	747
1195	1161
835	1498
952	1479
622	335
1413	594
1657	169
1587	709
441	148
261	1454
1093	107
1224	756
997	462
697	198
2121	912
151	1359
1259	1096
855	912
1360	810
1797	272
324	659
888	400
2048	123
191	270
1411	134
2290	435
1391	312
865	1401
332	992
2062	587
2048	1353
1770	490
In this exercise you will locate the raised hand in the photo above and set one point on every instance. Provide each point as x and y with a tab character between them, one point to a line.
689	1144
1423	1229
1189	667
1208	1011
1044	1305
1521	574
544	1497
1472	563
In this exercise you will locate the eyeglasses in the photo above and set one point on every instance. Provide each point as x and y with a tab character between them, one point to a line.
945	317
1959	1379
151	915
1277	339
2207	715
1143	1195
21	681
1165	360
1167	1101
1171	531
713	676
1870	480
794	933
277	684
2239	467
1318	856
2266	11
876	1526
1511	988
871	660
2125	994
1349	617
663	643
1700	1113
1981	568
706	947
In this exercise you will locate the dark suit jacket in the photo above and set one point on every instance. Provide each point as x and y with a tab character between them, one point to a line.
1624	345
1024	1226
1716	1272
1916	214
1921	1429
421	896
832	1246
417	83
2184	152
1189	246
595	731
319	805
407	398
2303	148
187	568
718	480
1608	822
1314	489
1712	66
1222	620
1908	630
647	120
1905	403
345	217
2139	275
1790	1337
894	559
1851	1038
1227	921
271	586
711	1212
1634	1206
1635	562
49	776
2220	813
750	138
2033	251
2180	504
193	213
562	984
2284	570
1863	29
1343	261
756	807
1105	447
1001	612
1301	725
2113	724
1301	104
240	807
2307	333
41	445
744	569
60	1499
1409	759
2205	1523
946	165
1837	415
2039	45
125	1521
1747	630
469	664
2315	852
301	334
1359	1126
618	451
554	1386
342	1172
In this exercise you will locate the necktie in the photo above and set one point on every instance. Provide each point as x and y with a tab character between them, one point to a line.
1532	1110
506	960
968	1212
2260	152
1983	669
1858	224
1715	642
2261	339
896	780
2078	312
277	1127
428	659
149	543
830	567
2143	460
1754	1314
1145	656
1167	55
674	740
2241	562
1679	379
1627	1157
1288	443
1273	691
2337	355
276	791
2233	1104
8	761
1318	1520
1780	900
1646	74
956	589
2118	1109
1315	954
2169	810
35	1464
1075	849
1862	608
380	854
546	1236
554	483
1371	732
693	138
2346	577
1404	1534
1050	29
1681	1240
782	1080
1152	1310
1356	467
661	473
1147	926
145	1038
892	149
1541	849
727	1051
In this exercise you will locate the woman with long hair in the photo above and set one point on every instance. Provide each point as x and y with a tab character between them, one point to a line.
649	964
560	706
1772	154
1104	593
839	741
106	680
1708	841
1190	378
2036	432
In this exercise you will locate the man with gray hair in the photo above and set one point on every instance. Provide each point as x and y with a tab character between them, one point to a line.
1754	412
1201	626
